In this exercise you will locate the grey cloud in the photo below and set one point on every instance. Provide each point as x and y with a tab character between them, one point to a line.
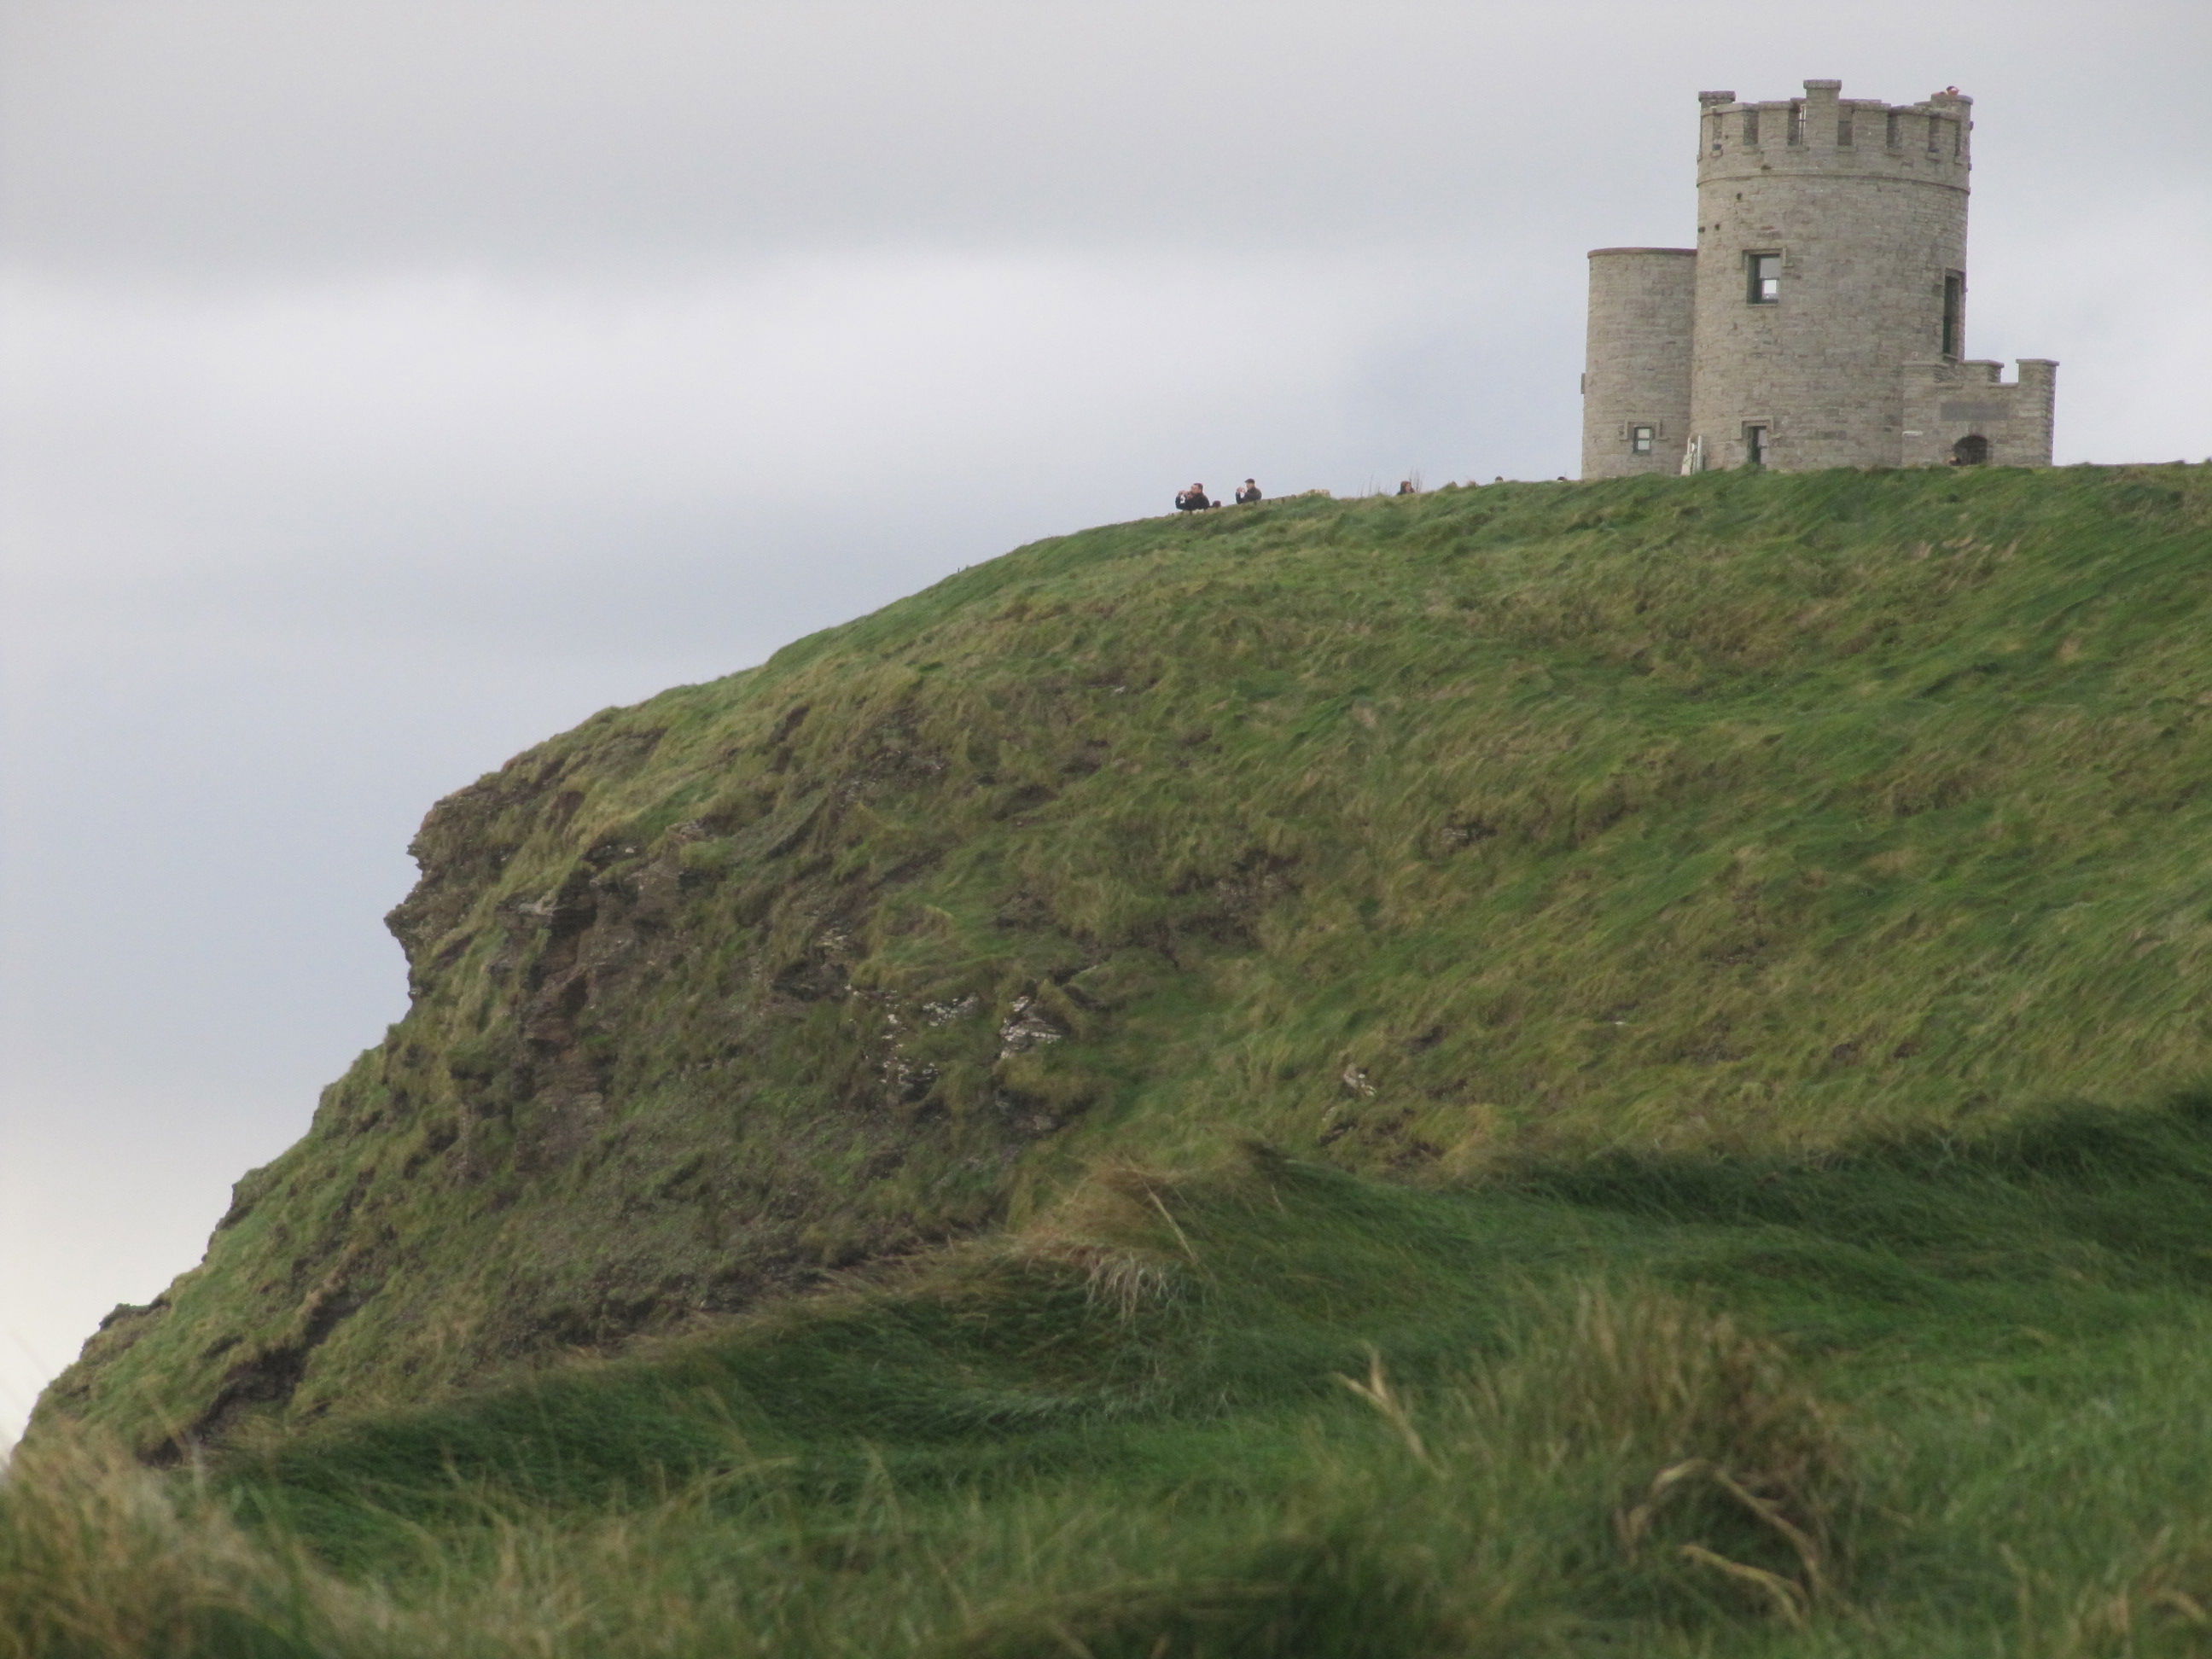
221	133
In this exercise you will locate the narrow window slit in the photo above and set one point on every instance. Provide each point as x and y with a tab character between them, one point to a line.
1762	278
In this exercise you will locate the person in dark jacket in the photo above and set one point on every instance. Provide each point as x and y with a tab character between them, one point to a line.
1246	493
1192	500
1406	487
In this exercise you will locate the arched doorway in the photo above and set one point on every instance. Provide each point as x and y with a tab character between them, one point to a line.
1972	450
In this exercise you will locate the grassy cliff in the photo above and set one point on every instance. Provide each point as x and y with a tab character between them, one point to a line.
1925	1399
1741	816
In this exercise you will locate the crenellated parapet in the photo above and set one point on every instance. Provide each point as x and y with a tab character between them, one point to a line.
1967	414
1824	133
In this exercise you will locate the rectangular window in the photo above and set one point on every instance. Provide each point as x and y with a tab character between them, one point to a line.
1896	129
1845	137
1640	438
1755	446
1935	131
1751	126
1797	121
1762	278
1954	313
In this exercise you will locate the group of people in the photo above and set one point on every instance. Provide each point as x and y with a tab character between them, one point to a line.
1195	499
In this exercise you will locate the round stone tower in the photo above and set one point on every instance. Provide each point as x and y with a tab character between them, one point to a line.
1832	251
1636	392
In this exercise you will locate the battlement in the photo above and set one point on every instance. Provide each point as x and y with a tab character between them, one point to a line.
1825	132
1958	410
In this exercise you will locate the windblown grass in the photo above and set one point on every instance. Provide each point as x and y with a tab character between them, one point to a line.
1753	813
1636	934
1917	1398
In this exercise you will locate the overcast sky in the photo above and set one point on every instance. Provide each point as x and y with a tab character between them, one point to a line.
386	386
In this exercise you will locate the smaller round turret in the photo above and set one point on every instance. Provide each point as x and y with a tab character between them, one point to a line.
1636	390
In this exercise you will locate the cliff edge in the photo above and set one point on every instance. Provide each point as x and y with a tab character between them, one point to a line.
1740	810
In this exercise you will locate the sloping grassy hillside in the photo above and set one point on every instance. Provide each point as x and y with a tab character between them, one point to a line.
1738	813
1279	1410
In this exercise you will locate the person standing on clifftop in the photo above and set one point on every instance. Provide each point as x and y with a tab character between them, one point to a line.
1247	493
1192	500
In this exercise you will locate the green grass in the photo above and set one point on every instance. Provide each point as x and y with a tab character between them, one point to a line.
1715	883
1916	1399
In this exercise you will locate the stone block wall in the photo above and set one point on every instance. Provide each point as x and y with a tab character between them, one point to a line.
1948	404
1867	233
1640	306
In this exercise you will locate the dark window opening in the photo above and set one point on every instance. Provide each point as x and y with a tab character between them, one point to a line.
1640	438
1954	315
1751	126
1958	138
1972	450
1755	446
1762	278
1797	121
1896	130
1935	131
1844	135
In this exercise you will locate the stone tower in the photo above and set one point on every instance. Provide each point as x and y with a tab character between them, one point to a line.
1820	320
